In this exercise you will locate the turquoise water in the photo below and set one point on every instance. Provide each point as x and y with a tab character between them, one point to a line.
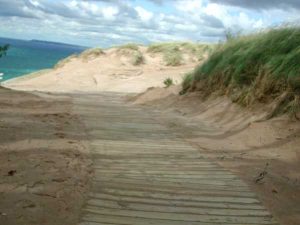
25	57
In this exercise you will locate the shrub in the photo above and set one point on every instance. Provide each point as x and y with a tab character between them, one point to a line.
168	82
3	50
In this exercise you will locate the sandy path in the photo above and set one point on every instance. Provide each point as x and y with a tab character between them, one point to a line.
145	174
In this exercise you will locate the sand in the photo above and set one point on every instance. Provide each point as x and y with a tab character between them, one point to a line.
111	71
265	154
44	154
44	161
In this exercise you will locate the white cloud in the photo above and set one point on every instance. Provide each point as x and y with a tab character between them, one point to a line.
234	18
105	22
189	5
144	14
34	2
109	12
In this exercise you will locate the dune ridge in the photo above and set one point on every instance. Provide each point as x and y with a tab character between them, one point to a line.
127	68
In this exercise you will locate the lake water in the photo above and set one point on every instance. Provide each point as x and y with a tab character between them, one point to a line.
25	57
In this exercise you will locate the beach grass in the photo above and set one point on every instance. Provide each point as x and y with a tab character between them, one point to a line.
138	58
168	82
91	53
255	68
129	46
187	81
173	57
173	51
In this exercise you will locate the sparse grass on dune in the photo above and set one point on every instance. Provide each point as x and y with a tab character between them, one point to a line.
129	46
132	50
255	68
173	57
138	58
85	55
173	51
91	53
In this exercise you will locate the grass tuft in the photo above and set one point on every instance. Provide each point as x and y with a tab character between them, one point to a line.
91	53
187	82
173	57
168	82
138	58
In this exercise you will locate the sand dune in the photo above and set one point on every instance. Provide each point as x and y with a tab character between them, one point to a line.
110	70
239	139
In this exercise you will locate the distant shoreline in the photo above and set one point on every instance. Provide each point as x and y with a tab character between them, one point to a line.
45	42
30	56
26	76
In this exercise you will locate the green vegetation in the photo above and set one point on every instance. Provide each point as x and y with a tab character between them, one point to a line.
162	47
173	52
173	57
187	82
85	56
133	51
168	82
91	53
3	50
130	46
256	68
138	58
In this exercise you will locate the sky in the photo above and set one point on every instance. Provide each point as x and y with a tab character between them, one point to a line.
104	23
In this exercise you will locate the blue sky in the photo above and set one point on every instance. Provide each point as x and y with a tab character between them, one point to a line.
105	23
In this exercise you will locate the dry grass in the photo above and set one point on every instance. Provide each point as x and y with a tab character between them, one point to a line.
173	51
173	57
129	46
91	54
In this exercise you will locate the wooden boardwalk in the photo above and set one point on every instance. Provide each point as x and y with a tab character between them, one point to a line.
146	175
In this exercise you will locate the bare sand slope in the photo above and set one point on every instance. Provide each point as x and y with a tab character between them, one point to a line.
110	70
264	153
44	161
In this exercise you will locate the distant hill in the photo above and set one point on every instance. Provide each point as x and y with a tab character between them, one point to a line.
35	41
57	43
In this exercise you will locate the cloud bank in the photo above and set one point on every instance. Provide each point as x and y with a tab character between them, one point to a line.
112	22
